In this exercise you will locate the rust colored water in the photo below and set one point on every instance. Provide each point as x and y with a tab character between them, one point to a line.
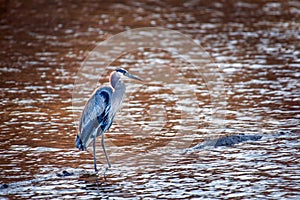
256	44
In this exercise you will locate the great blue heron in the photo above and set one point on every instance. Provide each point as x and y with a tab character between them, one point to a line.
100	110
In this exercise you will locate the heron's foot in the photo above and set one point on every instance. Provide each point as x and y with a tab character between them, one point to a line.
96	169
102	172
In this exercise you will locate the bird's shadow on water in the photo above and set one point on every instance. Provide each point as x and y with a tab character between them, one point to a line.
104	186
101	184
93	182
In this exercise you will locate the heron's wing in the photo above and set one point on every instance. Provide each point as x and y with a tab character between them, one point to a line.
94	116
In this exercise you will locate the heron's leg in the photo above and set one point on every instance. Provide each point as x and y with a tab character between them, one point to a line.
94	150
103	146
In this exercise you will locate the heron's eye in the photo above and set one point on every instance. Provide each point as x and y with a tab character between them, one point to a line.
121	70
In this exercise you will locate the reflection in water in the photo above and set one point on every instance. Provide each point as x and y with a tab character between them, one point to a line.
257	47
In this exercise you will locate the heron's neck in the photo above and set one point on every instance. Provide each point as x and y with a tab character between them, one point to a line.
117	96
120	88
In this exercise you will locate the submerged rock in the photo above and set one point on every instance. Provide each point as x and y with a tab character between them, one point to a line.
226	141
4	186
65	173
234	139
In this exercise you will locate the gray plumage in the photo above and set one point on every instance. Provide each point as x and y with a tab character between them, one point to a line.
99	112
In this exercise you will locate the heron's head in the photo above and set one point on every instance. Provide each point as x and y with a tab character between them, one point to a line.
123	72
120	73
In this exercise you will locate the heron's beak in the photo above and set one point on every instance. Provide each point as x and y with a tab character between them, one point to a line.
132	76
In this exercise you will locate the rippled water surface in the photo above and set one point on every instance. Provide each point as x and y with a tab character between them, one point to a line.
256	44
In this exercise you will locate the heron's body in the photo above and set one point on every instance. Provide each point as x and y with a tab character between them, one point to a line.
99	112
94	119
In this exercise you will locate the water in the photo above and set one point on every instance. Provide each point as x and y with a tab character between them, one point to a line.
256	45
